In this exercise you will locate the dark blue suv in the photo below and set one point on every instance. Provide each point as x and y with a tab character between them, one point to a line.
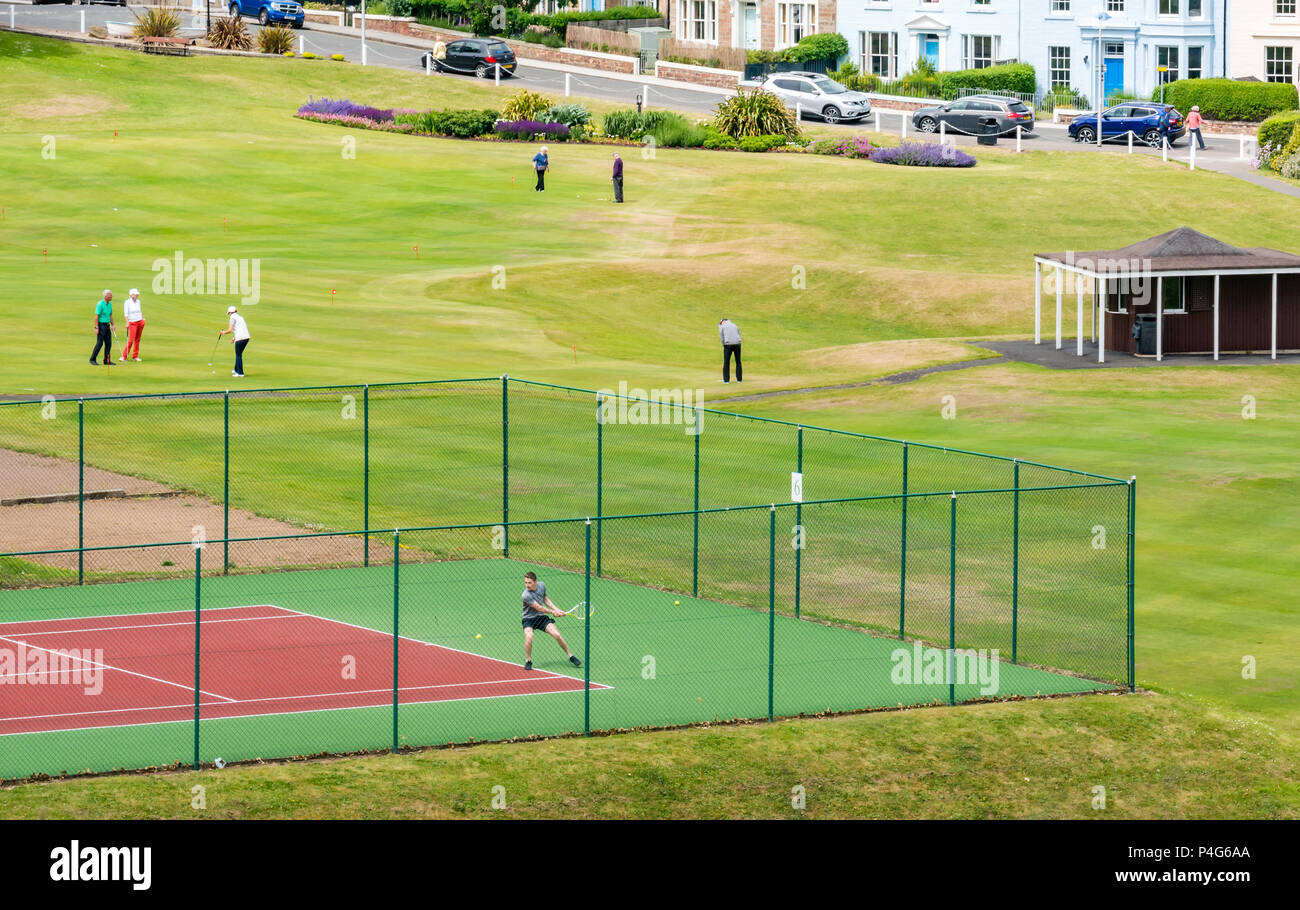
288	12
1142	118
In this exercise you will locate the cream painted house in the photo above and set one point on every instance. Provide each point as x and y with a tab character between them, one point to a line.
1264	40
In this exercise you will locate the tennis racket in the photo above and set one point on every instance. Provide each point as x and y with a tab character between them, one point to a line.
578	611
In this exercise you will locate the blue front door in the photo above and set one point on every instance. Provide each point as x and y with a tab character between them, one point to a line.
931	51
1114	75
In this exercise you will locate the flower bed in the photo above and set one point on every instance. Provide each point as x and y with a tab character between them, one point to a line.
530	129
923	154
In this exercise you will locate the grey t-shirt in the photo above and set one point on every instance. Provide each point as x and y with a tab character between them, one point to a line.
534	597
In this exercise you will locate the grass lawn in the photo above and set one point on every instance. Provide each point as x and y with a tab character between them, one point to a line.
903	268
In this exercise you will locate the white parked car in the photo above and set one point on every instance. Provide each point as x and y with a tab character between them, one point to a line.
816	95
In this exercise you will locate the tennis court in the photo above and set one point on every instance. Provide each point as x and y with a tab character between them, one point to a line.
302	662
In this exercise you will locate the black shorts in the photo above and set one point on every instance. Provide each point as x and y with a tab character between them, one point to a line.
539	622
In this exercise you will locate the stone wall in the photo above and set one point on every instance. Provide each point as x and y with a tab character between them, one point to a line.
698	75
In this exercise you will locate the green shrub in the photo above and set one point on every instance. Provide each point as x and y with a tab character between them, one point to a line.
756	113
1281	158
864	82
1276	130
275	40
399	7
228	34
1291	167
570	115
157	23
1010	77
464	124
678	132
559	22
525	105
847	70
715	140
822	46
1227	99
760	143
924	68
630	125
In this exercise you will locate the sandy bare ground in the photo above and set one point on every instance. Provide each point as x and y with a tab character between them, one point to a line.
150	513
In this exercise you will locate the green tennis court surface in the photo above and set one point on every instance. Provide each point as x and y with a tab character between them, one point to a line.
274	679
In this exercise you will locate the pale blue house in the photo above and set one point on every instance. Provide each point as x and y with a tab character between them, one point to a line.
1062	39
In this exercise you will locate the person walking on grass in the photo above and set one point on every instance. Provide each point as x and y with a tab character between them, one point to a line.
541	164
1194	123
537	614
239	328
618	178
729	332
104	328
134	314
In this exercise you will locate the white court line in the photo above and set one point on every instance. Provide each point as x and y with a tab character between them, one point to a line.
115	615
96	663
249	701
161	625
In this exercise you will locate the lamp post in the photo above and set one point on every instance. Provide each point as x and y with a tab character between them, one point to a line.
363	32
1099	67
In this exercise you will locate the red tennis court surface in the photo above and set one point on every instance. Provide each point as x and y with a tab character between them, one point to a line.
255	660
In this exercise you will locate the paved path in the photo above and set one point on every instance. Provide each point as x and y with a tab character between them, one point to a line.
1046	355
891	379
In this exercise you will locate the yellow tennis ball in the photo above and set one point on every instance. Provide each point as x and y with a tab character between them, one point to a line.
478	636
676	603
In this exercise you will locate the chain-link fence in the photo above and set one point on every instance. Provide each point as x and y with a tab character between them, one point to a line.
267	604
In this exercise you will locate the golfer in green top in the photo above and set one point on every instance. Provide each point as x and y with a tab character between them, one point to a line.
104	328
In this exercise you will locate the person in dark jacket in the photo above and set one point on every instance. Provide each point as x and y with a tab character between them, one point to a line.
618	178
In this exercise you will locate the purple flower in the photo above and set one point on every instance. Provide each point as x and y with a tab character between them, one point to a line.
923	154
526	129
342	106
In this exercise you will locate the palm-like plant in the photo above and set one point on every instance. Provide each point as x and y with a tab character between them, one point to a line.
157	23
228	34
756	113
275	40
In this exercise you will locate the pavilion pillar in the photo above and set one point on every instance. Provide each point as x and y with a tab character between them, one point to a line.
1078	318
1160	318
1060	286
1216	317
1101	324
1096	283
1273	336
1038	303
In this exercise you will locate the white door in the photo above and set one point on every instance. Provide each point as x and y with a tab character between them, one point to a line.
751	27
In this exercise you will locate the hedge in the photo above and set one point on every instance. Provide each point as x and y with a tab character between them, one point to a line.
1010	77
1277	130
1227	99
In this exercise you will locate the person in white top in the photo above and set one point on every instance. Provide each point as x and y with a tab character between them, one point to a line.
729	333
134	326
239	329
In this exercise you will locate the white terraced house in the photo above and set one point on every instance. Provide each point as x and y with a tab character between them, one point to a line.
1063	39
1264	38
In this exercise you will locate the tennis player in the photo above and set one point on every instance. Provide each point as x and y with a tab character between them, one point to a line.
538	611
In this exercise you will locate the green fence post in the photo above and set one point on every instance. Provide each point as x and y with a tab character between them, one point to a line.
771	609
798	520
586	638
1015	565
695	542
952	602
81	489
198	573
365	508
600	478
1132	533
505	467
902	559
396	559
225	496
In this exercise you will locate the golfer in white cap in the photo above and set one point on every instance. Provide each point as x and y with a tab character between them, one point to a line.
239	328
134	326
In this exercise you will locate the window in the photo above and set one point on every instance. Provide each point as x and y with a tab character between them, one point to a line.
880	54
1058	66
1194	10
979	50
1060	6
1169	7
1194	55
698	21
1172	301
1279	64
1115	6
794	21
1284	7
1168	58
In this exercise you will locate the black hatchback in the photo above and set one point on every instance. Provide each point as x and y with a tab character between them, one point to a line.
966	115
474	56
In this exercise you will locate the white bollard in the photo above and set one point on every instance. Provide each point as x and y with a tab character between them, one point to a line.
363	35
1019	133
1130	142
11	17
566	84
496	75
877	120
1164	148
83	21
1192	145
300	45
645	98
903	115
798	112
428	64
943	132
